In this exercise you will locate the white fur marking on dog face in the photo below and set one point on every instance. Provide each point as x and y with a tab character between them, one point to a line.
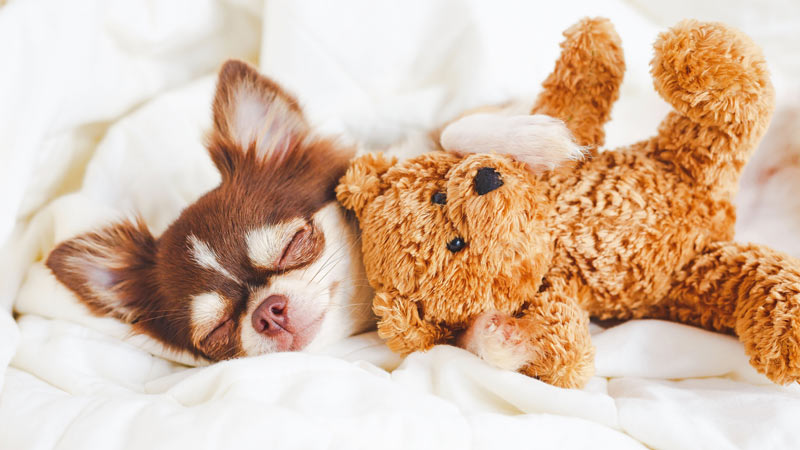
204	256
542	142
265	245
329	281
207	310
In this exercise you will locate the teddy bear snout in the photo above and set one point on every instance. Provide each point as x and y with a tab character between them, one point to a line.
486	180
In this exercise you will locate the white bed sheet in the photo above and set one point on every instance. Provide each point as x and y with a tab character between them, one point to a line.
103	105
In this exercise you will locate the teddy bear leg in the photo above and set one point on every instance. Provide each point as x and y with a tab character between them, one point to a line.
585	82
750	290
549	341
717	80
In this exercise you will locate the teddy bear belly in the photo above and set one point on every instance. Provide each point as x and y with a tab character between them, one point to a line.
621	236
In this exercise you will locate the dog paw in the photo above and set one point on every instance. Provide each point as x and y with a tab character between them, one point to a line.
500	340
542	142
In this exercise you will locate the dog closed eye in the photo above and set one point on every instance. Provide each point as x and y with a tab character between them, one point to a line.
304	247
218	337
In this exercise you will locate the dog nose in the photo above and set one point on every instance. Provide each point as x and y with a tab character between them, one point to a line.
270	317
487	180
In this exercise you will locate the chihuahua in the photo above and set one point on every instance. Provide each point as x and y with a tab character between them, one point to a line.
265	262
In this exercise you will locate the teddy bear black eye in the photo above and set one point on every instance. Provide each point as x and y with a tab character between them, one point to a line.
456	245
440	198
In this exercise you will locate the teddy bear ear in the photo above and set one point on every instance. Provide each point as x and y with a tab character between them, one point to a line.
362	181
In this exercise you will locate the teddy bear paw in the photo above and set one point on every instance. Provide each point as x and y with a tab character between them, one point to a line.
499	340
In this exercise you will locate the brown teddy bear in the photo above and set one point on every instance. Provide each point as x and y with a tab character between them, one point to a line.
509	259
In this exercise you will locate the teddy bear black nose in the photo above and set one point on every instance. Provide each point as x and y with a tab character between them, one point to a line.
487	180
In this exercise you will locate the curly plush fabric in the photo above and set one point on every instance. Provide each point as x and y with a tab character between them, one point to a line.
640	231
585	81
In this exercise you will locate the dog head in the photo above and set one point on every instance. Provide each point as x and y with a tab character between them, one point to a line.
264	262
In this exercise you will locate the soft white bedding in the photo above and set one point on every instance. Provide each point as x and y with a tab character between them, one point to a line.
103	105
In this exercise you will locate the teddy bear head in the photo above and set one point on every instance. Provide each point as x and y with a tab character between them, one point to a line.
453	235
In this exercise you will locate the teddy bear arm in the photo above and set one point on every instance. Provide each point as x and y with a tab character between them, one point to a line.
401	325
559	327
585	83
751	290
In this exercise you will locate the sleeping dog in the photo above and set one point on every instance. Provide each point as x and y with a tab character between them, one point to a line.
265	262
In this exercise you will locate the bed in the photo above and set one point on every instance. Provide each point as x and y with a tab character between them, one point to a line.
103	108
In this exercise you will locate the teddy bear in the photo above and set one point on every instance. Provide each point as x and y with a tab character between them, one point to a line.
509	254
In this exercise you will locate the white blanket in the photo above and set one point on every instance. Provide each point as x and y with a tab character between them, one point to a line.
103	105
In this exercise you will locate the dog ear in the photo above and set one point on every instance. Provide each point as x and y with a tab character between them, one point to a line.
111	270
541	142
362	182
255	120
